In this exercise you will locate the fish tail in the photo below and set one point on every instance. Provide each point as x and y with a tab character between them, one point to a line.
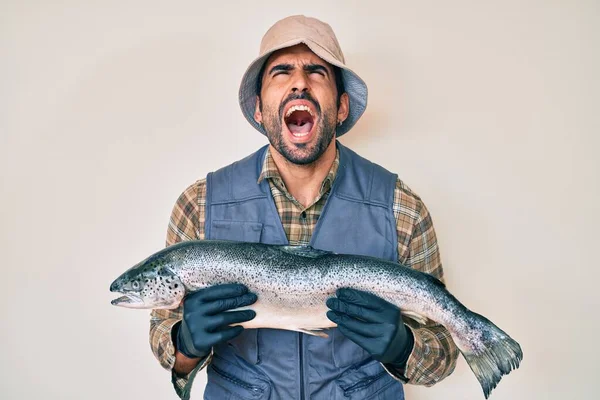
495	355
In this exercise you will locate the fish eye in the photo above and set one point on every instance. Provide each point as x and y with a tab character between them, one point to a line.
135	285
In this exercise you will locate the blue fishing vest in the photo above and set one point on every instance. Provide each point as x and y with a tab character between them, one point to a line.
283	365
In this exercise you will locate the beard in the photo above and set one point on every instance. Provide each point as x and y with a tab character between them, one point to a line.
300	153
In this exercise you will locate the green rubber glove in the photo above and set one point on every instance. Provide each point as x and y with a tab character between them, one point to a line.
373	324
206	318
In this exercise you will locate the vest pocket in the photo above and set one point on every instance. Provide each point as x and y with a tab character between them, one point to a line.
345	351
369	382
228	381
246	345
239	231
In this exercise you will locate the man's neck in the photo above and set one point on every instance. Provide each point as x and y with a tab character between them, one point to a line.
304	181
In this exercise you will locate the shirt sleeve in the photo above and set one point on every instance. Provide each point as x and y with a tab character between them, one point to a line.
434	353
186	223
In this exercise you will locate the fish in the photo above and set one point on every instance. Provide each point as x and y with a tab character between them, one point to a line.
292	284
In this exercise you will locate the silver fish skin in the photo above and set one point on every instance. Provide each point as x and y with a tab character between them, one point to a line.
292	284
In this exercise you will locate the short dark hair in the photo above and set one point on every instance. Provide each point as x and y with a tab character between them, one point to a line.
337	71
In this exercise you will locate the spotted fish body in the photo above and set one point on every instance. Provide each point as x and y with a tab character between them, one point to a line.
293	283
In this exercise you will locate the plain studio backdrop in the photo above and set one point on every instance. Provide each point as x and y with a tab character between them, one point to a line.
109	109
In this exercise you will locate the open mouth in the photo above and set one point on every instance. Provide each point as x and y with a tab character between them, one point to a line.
129	299
300	120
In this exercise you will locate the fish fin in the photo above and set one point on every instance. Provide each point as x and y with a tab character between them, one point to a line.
314	332
414	316
304	251
494	357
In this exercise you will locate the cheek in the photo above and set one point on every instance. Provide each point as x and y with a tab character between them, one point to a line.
325	95
271	102
273	91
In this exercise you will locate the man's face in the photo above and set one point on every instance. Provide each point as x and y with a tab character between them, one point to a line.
298	104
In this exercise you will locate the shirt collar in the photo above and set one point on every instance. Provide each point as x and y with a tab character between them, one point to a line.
270	171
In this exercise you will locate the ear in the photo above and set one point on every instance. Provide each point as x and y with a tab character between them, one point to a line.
257	112
344	108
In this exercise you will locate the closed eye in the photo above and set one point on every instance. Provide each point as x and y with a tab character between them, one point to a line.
315	69
280	69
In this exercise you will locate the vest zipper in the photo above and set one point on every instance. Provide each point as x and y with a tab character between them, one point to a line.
236	381
301	366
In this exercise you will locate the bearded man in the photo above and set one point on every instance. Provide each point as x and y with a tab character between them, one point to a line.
304	188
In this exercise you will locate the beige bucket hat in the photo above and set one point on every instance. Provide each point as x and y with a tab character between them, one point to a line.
321	40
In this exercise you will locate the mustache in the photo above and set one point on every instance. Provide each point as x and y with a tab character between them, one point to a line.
301	96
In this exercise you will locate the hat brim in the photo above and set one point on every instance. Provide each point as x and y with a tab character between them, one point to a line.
354	86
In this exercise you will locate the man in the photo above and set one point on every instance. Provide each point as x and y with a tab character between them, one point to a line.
304	188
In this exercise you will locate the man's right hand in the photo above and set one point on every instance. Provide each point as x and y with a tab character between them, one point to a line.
206	318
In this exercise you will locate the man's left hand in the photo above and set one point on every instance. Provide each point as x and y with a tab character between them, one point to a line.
373	324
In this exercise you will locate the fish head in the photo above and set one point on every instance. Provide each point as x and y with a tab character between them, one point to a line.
148	286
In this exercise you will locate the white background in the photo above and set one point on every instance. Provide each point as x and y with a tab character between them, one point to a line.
109	109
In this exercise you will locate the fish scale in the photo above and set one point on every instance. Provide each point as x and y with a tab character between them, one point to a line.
292	284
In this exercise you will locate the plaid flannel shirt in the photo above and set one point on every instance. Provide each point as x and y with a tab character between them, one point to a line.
434	354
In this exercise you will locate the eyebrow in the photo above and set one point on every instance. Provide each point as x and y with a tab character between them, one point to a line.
307	68
281	67
315	68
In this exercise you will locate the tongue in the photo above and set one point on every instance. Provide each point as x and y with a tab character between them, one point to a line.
299	126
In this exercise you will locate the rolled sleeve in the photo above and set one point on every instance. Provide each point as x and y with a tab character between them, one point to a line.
434	353
186	223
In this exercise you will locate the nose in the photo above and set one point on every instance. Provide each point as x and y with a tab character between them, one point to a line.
300	83
114	287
